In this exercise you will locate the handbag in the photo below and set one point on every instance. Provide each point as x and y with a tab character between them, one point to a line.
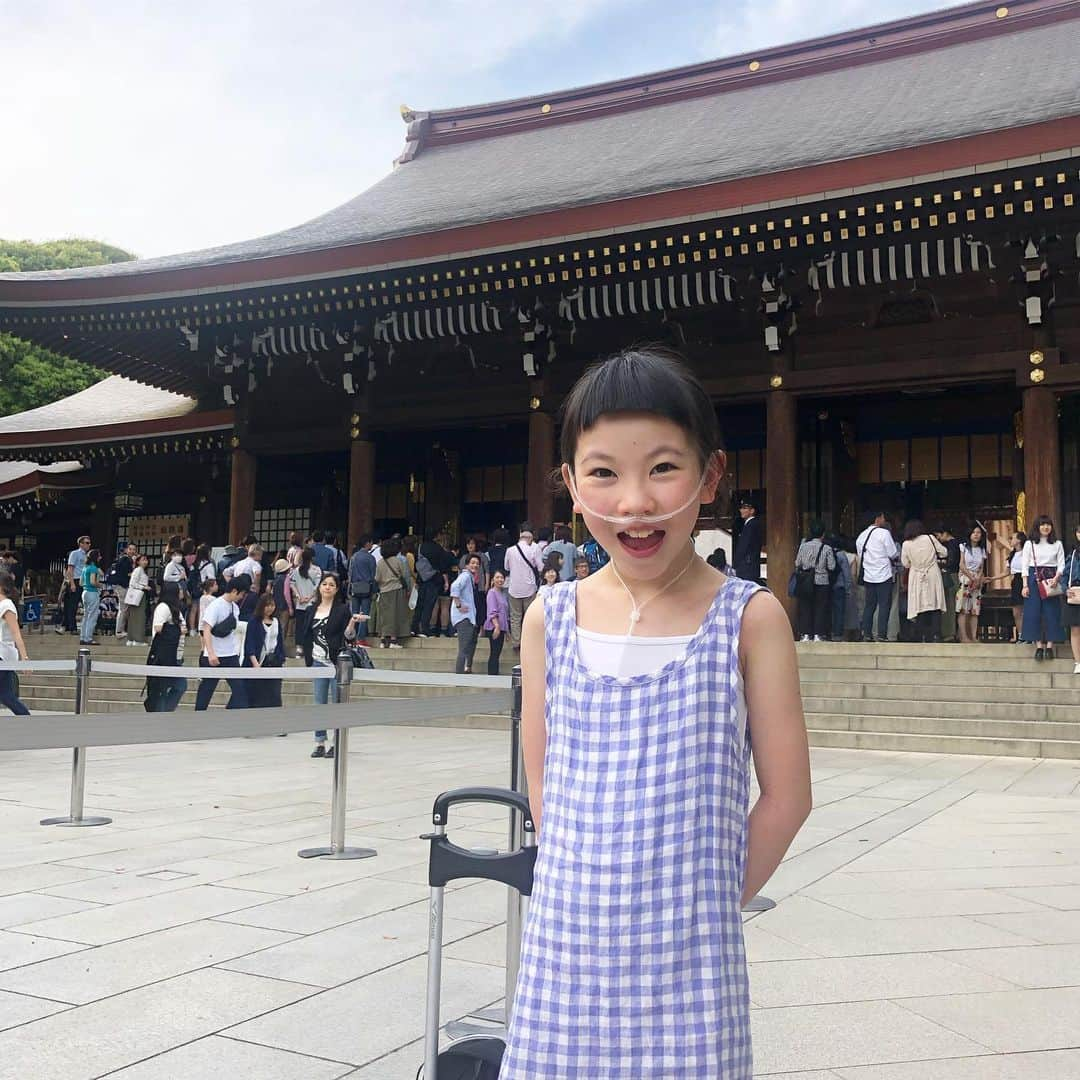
414	598
133	596
1046	590
1072	593
802	581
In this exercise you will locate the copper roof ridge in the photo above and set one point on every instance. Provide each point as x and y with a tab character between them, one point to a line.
862	45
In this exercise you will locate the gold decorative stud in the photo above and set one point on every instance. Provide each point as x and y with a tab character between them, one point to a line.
1037	375
776	382
755	64
545	109
534	403
1036	356
1001	12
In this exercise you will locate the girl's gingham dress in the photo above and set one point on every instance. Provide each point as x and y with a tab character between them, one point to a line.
632	961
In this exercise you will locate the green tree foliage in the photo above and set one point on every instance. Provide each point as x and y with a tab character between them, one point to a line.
30	375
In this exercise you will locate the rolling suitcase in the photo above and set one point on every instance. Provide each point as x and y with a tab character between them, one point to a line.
474	1057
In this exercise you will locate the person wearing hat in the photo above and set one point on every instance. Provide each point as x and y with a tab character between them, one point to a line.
746	562
282	596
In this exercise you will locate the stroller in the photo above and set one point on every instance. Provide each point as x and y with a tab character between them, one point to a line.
474	1057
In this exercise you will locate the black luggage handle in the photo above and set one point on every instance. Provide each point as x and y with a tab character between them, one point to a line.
512	800
448	862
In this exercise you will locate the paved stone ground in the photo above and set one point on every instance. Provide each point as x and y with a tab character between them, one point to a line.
928	925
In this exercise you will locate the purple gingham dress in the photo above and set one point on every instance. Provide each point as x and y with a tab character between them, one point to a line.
632	959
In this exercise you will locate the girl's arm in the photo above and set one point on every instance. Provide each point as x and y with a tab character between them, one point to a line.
777	735
12	619
533	724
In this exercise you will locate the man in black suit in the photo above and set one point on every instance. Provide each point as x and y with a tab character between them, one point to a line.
746	561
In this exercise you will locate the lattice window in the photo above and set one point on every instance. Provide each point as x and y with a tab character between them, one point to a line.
273	526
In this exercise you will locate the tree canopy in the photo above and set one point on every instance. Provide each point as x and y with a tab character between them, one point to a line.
30	375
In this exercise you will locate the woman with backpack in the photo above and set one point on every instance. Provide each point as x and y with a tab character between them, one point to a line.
304	584
815	563
166	650
920	555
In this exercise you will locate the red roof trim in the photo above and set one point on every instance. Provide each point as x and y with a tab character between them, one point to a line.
36	480
865	45
190	424
888	167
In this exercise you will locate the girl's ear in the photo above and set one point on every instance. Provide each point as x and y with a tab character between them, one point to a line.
715	471
567	477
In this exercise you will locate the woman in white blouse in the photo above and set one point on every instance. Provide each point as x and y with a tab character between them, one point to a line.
135	601
1044	562
972	581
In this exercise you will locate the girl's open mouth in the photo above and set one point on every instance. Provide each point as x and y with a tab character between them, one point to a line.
641	543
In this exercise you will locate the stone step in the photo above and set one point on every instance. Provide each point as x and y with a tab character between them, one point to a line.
1023	730
886	691
943	744
1053	676
960	710
1007	659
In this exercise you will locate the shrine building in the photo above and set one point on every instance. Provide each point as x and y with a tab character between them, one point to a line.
868	245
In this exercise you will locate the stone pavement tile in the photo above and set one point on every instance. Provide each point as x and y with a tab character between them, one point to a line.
762	946
904	854
16	879
386	1011
929	904
1062	897
832	1036
313	912
353	950
1047	1065
18	948
292	875
1048	926
155	855
135	884
218	1056
416	873
26	907
124	965
1010	1021
116	922
486	947
19	1009
828	931
864	978
478	901
851	880
400	1065
1031	966
95	1039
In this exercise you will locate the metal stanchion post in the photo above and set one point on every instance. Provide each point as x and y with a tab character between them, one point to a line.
78	759
337	848
515	902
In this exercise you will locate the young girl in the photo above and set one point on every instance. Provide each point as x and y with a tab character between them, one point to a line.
972	581
12	646
1044	560
91	597
644	686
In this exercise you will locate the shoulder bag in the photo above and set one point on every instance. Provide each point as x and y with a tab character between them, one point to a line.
1072	593
536	573
1043	577
861	578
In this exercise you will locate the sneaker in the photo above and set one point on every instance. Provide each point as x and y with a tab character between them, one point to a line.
59	630
805	637
319	751
1040	654
330	753
818	637
422	634
395	645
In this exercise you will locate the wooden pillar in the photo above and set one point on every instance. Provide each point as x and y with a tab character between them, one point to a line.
781	492
361	490
1042	456
241	494
539	496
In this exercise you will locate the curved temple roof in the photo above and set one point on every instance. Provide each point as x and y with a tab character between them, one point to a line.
958	74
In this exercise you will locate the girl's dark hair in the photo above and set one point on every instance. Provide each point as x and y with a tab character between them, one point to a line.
202	555
296	538
982	528
553	560
264	601
500	536
1040	521
304	569
1022	536
7	584
170	596
94	556
817	529
914	529
391	547
643	379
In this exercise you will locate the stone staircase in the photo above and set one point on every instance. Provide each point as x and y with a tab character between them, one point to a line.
971	699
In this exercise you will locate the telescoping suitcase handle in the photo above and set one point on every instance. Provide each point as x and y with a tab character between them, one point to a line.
513	800
449	862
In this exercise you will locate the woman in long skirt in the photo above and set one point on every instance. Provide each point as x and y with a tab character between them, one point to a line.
1044	564
1070	613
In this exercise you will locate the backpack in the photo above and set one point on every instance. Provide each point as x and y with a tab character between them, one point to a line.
112	575
596	555
230	558
194	581
425	568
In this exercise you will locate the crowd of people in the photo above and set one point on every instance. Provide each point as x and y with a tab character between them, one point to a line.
845	589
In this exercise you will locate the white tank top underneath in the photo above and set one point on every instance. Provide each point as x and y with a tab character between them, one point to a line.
622	657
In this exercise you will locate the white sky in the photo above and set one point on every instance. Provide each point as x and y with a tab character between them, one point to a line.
171	127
